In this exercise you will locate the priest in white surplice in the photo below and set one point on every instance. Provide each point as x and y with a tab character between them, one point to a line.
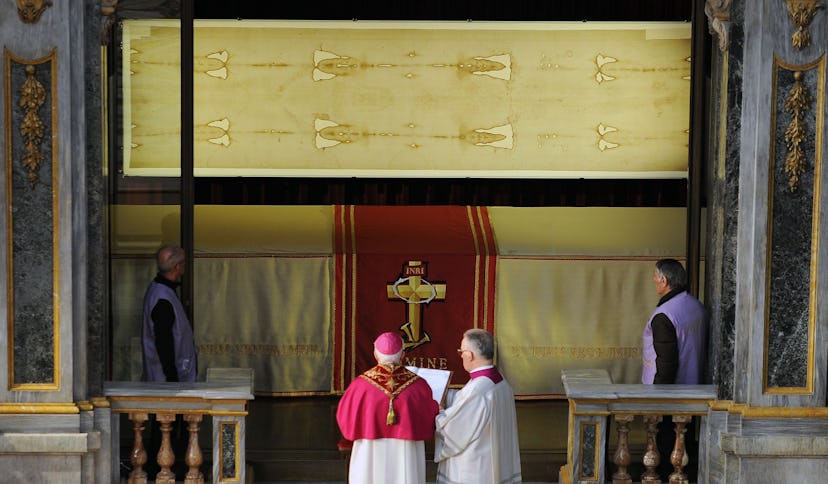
387	412
476	439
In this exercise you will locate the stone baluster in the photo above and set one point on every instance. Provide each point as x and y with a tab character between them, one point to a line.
679	456
139	454
193	457
166	457
622	456
651	456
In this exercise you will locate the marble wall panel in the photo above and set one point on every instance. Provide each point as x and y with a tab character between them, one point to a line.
789	317
44	218
228	449
788	427
711	460
590	448
783	470
229	455
17	423
40	469
31	184
589	444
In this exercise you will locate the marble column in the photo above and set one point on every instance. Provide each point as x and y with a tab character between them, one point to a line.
764	265
779	327
723	189
97	257
50	84
767	266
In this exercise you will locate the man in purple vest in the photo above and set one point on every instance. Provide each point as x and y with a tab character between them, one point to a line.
673	351
169	352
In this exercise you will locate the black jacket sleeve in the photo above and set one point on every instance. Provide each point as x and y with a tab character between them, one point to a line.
665	343
163	317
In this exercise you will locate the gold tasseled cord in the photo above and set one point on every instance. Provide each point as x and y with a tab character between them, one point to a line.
391	418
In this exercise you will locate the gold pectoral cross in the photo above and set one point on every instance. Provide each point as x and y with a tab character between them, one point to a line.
415	290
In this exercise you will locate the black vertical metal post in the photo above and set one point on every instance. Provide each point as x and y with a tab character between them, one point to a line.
187	151
112	174
696	144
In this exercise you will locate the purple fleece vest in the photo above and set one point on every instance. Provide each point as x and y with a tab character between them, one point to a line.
186	363
688	317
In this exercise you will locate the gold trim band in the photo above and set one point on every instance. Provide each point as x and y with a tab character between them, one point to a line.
116	398
39	408
212	413
748	411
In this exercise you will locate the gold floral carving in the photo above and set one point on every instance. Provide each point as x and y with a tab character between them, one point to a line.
109	16
796	104
801	13
718	17
30	10
32	96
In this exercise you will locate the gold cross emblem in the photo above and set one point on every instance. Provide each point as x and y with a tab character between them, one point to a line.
415	290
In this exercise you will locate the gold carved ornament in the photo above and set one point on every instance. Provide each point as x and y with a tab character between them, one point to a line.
718	18
796	104
30	10
32	96
108	11
801	13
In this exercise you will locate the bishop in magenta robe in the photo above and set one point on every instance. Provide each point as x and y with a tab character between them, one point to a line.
387	412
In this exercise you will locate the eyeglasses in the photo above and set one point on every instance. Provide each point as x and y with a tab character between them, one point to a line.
461	350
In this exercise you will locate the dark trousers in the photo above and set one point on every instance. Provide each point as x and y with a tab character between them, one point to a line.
666	440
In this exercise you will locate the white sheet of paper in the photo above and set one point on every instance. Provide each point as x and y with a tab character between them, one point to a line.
438	380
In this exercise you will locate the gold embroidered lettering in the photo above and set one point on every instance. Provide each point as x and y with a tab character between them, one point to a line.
227	349
576	352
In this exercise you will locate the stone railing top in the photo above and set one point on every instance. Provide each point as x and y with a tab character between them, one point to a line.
202	390
584	376
596	384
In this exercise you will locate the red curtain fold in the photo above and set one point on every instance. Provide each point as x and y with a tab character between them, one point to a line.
425	272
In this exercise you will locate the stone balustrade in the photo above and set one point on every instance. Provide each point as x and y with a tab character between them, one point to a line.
224	401
593	398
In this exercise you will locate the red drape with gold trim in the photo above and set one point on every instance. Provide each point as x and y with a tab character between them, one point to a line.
426	272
